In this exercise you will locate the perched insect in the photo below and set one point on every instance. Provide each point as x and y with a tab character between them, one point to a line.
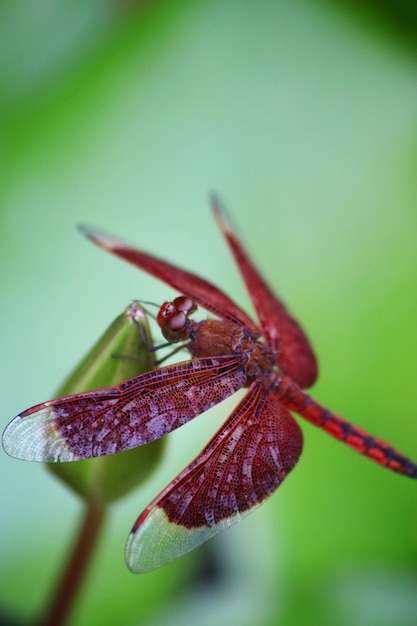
254	450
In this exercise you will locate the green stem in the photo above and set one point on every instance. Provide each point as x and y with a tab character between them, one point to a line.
74	573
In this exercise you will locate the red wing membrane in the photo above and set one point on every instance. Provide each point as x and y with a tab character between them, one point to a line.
111	420
201	291
281	331
242	465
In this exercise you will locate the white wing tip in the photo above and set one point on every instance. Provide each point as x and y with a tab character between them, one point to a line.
102	239
34	437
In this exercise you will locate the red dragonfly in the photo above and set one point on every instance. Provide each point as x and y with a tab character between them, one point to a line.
254	450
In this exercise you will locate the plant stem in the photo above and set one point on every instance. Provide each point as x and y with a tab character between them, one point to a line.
74	573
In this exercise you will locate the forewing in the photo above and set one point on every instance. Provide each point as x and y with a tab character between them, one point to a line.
119	418
201	291
282	333
243	464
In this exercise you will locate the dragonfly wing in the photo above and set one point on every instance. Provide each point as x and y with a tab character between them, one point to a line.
282	333
243	464
140	410
201	291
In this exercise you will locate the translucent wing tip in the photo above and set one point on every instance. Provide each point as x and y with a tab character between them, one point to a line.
156	541
220	213
33	436
216	204
102	239
215	201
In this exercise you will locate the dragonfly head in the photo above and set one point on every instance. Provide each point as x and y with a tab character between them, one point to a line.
172	318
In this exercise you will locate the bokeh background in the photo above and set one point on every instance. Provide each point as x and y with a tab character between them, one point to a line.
302	116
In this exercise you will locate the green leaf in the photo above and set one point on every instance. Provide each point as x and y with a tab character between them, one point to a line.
121	353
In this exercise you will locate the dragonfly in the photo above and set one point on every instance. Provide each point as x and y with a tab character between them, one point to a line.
253	451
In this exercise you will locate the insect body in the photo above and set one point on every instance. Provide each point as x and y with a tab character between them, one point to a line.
253	451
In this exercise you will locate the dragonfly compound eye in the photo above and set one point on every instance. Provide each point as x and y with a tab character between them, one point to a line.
177	321
183	303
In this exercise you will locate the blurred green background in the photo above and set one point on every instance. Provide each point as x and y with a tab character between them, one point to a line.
301	115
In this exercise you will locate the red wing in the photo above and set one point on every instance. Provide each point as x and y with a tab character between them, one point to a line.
243	464
201	291
282	333
119	418
375	449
